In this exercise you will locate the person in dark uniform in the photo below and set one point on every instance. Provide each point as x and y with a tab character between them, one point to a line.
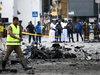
95	28
59	31
79	29
13	43
86	30
43	30
70	27
31	29
21	28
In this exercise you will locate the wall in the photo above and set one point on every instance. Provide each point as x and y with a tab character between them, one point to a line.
7	9
26	8
64	9
81	7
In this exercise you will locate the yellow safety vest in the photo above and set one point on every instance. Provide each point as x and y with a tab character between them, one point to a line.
11	40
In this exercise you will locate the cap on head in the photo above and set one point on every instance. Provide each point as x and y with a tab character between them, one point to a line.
69	19
78	20
87	20
59	20
52	21
65	19
20	21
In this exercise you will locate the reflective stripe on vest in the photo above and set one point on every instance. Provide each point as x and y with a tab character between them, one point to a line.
13	34
11	40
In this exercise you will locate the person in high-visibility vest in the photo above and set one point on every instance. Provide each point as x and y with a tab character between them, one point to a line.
42	29
13	43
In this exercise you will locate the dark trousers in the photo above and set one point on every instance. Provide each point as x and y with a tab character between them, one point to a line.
58	36
43	30
86	35
38	37
30	38
79	32
96	36
98	33
70	32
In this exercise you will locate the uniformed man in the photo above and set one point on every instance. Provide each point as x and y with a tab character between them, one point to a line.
95	28
98	29
79	30
59	29
43	30
31	29
86	30
13	43
70	27
21	28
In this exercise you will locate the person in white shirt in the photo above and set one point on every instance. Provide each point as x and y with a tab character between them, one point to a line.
64	35
52	32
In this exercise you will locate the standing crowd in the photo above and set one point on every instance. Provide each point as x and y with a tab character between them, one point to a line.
31	29
63	31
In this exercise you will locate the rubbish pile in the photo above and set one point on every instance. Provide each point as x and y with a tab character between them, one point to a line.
56	51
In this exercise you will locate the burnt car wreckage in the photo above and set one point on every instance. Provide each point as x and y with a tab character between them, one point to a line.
56	51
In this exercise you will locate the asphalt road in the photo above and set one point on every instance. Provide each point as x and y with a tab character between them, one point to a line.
75	66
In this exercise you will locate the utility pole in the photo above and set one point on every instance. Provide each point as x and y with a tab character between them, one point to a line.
49	6
57	9
43	10
49	11
67	10
42	6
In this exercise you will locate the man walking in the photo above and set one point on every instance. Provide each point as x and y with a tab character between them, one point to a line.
13	43
79	29
70	28
31	29
38	32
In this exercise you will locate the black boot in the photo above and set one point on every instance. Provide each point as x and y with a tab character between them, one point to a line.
3	64
24	64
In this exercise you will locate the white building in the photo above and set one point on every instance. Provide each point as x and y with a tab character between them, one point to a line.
25	7
8	9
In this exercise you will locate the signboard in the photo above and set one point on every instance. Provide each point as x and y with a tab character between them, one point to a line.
92	19
99	15
71	13
34	14
97	1
1	28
